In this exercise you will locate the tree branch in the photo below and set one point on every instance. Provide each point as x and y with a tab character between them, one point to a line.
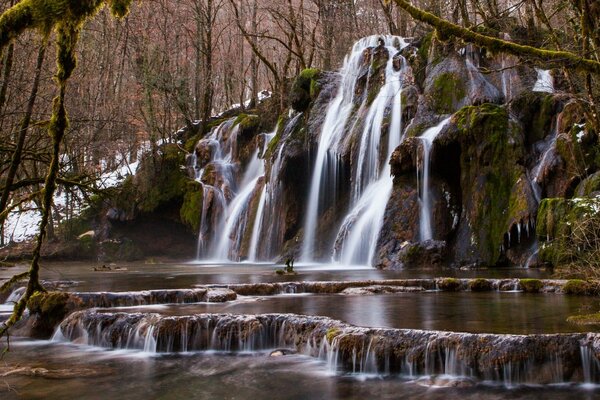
446	28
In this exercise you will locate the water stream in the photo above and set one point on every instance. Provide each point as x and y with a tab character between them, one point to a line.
427	138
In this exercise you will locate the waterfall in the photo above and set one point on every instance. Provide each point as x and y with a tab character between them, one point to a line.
371	184
427	138
232	206
358	235
545	81
257	226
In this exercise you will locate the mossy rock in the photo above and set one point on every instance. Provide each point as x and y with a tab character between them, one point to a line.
191	209
447	91
493	178
161	181
589	185
305	89
536	111
480	285
555	221
531	285
449	285
48	309
332	333
123	249
579	287
247	122
552	220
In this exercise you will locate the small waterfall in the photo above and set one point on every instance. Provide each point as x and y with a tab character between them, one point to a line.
590	365
545	81
548	149
323	189
427	138
508	76
257	226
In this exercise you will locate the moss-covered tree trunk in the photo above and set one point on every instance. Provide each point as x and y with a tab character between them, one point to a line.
67	18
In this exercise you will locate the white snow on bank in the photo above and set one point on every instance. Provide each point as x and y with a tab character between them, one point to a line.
23	223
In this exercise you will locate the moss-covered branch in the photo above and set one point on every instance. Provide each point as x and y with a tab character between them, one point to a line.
45	15
448	29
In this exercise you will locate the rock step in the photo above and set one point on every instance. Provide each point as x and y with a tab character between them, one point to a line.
539	359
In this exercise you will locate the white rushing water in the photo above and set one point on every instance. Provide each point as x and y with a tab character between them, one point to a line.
372	184
427	138
233	205
545	81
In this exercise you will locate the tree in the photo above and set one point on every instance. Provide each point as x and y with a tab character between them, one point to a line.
66	19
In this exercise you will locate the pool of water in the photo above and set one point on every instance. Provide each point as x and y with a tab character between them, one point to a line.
490	312
139	276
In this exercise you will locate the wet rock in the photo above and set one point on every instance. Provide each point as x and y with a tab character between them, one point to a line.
446	85
381	289
401	224
282	352
48	309
589	187
371	76
535	110
205	152
404	158
220	295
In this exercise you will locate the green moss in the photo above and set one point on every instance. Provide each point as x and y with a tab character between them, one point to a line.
305	89
531	285
449	284
332	333
191	143
552	219
45	15
480	285
447	91
589	319
121	250
247	121
423	51
556	220
492	176
578	287
191	210
49	309
535	110
589	185
159	182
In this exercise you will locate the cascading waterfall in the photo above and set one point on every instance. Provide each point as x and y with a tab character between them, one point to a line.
358	234
268	203
232	222
221	144
427	138
371	184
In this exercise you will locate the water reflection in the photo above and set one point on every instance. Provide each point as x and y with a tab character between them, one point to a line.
491	312
137	276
